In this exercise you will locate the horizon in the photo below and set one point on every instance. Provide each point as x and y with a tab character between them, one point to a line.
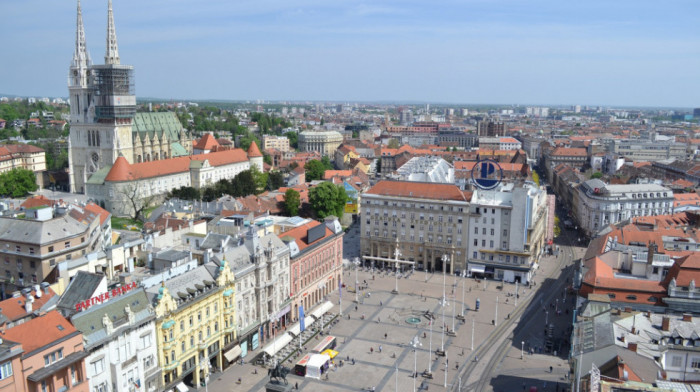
635	54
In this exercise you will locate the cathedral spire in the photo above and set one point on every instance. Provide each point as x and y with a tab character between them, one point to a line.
81	57
112	53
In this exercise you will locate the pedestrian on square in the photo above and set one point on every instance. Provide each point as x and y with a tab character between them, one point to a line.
371	350
380	348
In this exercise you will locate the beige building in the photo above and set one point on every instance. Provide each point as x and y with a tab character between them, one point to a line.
32	247
22	156
428	220
323	142
279	143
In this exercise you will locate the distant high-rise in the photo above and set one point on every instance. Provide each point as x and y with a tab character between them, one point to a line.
490	128
696	113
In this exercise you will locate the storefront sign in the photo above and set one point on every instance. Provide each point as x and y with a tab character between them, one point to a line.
104	297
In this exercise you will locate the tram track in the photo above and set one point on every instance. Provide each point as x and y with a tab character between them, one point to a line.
500	350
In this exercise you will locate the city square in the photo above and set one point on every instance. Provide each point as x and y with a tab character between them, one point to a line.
378	334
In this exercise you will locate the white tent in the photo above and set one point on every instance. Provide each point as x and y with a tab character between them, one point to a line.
322	309
278	344
317	364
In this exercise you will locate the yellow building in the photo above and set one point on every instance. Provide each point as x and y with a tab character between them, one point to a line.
195	322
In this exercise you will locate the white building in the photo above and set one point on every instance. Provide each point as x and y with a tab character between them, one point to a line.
599	205
324	142
506	232
114	186
426	169
120	336
261	269
499	143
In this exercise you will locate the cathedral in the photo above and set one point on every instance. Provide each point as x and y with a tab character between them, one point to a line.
104	124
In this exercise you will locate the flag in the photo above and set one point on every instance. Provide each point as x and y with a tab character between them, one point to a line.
302	327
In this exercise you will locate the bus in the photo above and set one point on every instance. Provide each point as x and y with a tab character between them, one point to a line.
300	367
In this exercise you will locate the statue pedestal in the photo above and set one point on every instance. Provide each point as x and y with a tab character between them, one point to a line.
276	387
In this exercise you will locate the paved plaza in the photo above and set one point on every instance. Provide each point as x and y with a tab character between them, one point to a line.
393	314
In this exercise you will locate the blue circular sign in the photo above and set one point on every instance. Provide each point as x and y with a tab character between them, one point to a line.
487	174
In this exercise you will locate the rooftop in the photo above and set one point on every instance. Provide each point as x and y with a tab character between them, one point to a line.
420	190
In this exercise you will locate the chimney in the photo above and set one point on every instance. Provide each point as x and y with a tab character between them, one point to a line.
45	287
688	317
665	323
632	347
650	252
37	291
28	303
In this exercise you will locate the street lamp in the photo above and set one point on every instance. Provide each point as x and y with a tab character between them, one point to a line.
397	253
464	280
273	321
443	304
415	343
206	368
322	287
516	293
472	334
428	373
357	282
495	321
522	347
445	370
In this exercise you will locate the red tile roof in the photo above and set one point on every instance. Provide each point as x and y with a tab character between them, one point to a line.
207	142
422	190
13	308
254	151
328	174
123	171
40	331
300	234
38	201
568	152
97	210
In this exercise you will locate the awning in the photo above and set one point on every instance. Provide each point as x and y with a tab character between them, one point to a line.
181	387
322	309
296	329
477	268
272	348
233	353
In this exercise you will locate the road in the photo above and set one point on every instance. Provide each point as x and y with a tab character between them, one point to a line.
525	322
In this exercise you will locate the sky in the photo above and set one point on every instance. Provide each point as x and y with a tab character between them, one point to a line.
537	52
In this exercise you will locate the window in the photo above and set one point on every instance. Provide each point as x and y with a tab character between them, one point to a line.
146	340
676	361
476	230
475	254
50	248
695	363
652	299
505	233
476	242
631	297
67	244
5	370
53	357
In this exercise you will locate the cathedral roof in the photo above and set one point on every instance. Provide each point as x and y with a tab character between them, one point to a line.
254	151
161	123
207	142
123	171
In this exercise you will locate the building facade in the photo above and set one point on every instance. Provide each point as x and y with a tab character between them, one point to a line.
428	220
120	338
103	120
280	143
323	142
600	205
195	319
53	357
640	150
457	137
316	262
261	268
499	143
506	232
31	248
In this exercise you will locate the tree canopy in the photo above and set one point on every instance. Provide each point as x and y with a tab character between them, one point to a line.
328	199
292	201
17	182
315	168
275	180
